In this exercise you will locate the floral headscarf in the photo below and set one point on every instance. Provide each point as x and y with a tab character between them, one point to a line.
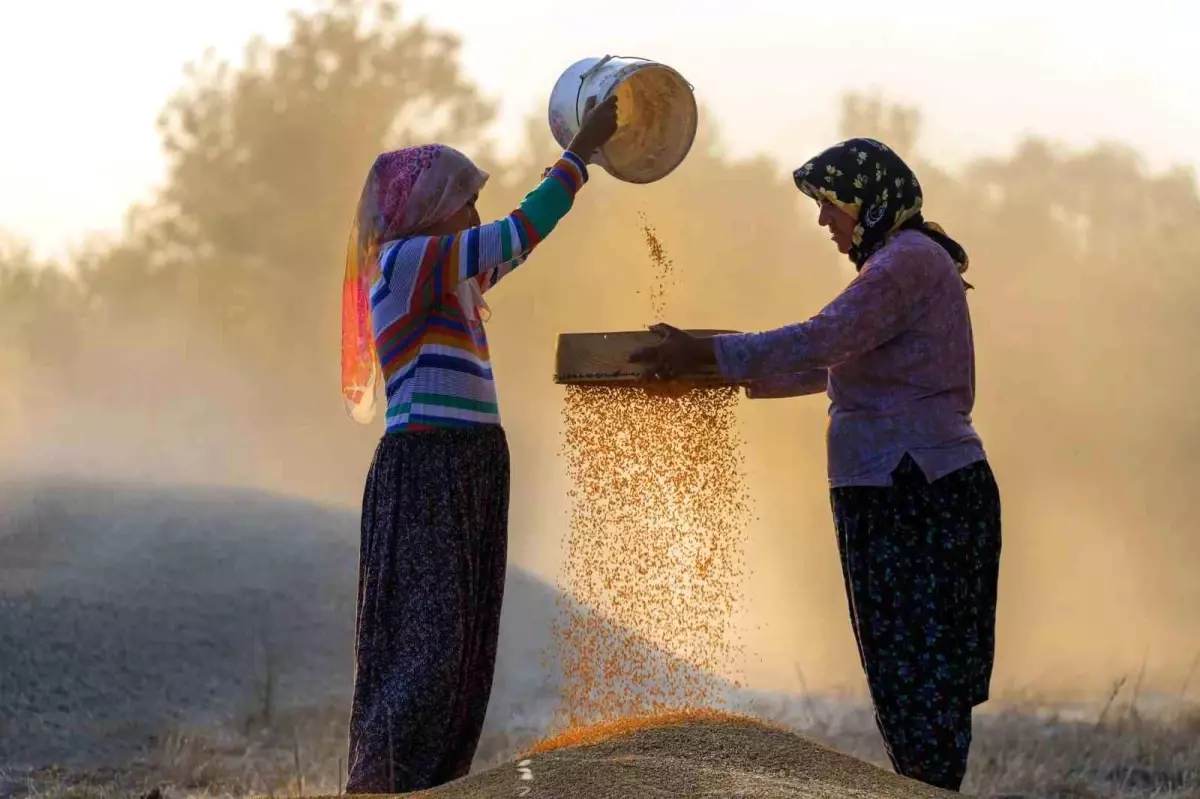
870	182
406	191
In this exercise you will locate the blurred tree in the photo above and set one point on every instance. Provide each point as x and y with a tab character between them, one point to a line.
39	310
237	266
897	126
266	162
40	323
210	325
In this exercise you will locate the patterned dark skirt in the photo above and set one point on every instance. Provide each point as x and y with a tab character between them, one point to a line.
431	581
921	563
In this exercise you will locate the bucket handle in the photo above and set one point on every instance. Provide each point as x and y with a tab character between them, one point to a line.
592	70
587	74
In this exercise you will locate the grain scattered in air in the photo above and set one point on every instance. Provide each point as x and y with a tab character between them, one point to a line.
663	266
654	556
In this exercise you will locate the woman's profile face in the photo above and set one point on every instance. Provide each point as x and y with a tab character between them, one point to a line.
466	217
462	219
473	214
840	225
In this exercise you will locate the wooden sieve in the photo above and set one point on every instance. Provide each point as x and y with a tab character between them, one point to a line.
603	359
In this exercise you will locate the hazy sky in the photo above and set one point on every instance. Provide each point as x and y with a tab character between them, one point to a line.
84	81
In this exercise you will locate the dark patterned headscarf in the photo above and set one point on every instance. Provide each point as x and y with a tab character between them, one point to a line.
870	182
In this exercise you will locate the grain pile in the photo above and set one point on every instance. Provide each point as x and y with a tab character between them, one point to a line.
597	733
654	554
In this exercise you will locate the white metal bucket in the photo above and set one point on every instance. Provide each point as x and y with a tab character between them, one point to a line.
656	114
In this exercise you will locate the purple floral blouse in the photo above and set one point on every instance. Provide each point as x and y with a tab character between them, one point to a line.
895	354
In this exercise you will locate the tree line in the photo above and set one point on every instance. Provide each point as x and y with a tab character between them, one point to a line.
202	342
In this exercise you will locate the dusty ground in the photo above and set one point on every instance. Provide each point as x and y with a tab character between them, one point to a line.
127	611
199	641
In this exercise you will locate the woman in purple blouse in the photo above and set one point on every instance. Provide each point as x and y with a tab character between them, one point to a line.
915	504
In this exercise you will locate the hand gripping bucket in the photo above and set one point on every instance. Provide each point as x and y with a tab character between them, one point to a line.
656	114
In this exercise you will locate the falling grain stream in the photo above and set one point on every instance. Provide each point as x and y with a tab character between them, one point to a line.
654	556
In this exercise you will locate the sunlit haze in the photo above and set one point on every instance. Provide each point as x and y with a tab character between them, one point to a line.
83	82
200	343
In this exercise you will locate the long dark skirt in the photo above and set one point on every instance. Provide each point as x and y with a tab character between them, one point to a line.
431	581
921	562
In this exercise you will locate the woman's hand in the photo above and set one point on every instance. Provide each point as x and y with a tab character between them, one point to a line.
599	124
679	353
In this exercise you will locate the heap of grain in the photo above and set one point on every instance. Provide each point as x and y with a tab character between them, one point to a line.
654	554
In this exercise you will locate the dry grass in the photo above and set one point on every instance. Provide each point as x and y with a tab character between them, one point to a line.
301	754
1021	749
1034	749
1124	754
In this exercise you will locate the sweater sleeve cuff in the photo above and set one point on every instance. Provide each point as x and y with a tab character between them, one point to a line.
574	170
733	356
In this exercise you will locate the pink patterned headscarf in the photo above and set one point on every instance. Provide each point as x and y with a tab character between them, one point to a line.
406	191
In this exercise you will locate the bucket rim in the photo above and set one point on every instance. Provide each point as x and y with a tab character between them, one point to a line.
581	70
691	140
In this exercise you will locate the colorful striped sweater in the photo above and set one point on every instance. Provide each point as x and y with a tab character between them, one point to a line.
436	367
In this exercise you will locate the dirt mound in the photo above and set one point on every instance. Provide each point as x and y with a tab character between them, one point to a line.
127	610
686	755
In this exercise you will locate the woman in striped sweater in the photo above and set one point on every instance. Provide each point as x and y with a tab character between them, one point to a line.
435	508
